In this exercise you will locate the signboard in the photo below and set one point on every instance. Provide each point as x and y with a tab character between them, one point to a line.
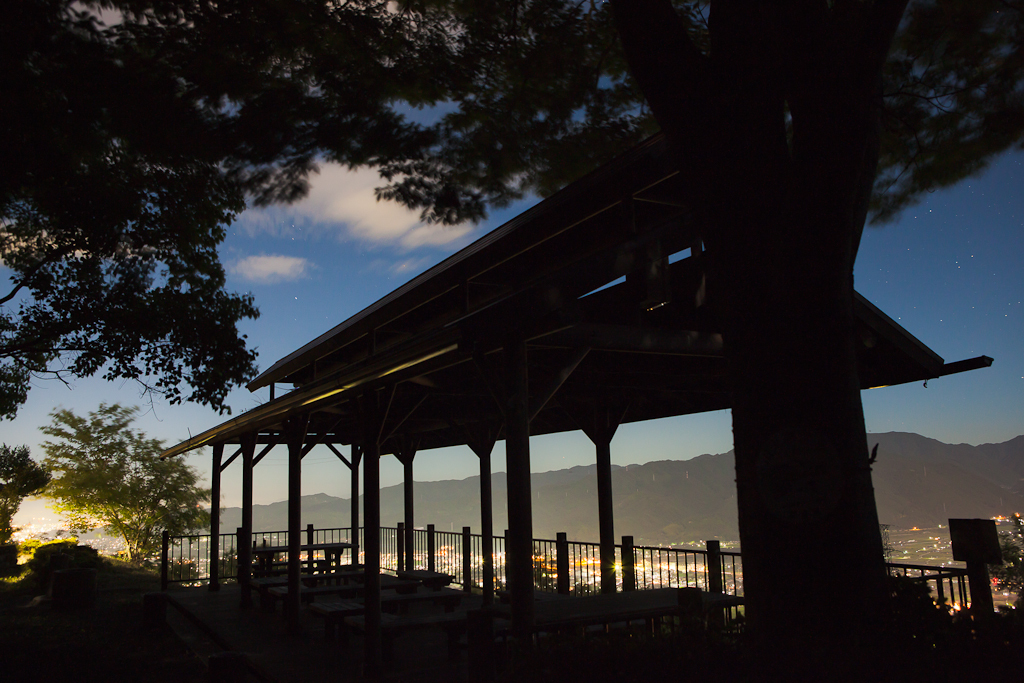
975	540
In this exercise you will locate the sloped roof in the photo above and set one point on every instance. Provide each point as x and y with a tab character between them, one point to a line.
553	274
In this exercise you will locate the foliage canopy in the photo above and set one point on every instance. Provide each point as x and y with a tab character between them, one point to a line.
133	142
105	474
20	476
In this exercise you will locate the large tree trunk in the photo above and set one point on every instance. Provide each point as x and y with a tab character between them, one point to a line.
784	208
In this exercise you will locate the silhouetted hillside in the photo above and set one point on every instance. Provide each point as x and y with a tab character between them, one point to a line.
918	482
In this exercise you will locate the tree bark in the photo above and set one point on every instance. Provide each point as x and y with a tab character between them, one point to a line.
778	129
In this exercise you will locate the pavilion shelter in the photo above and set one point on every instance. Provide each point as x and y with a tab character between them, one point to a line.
587	311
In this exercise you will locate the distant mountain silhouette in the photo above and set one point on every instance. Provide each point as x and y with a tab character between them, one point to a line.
918	482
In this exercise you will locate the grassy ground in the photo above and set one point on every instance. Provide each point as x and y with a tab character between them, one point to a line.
105	643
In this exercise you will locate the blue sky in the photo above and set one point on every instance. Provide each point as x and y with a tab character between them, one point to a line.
949	271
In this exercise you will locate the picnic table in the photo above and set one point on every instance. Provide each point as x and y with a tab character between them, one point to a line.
435	581
264	554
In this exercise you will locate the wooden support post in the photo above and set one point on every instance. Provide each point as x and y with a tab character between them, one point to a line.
372	643
295	431
483	447
628	564
218	455
245	532
562	562
715	584
400	547
467	559
519	544
606	514
165	551
713	562
410	524
431	549
373	411
600	424
406	454
357	456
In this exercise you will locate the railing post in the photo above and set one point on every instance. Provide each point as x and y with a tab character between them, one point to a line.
467	557
400	546
431	548
239	535
628	564
164	556
562	562
713	563
310	535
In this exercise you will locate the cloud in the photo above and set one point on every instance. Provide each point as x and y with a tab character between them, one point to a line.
344	200
267	269
403	269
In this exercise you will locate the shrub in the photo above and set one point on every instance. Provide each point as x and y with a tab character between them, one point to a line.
81	556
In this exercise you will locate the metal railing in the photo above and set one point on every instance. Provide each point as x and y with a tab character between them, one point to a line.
946	584
186	560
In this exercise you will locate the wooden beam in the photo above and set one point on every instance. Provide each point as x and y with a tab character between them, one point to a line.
340	456
321	435
405	416
637	339
266	449
492	379
558	380
231	459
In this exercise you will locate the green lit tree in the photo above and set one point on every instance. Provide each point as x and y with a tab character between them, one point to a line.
20	477
105	474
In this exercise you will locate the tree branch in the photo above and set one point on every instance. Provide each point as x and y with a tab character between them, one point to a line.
670	69
27	277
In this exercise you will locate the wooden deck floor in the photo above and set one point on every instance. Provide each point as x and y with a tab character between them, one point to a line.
211	622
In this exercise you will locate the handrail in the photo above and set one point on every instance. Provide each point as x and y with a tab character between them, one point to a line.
185	560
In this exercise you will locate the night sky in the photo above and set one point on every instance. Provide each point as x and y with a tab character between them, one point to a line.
949	271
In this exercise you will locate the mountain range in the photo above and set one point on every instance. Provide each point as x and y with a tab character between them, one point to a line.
919	482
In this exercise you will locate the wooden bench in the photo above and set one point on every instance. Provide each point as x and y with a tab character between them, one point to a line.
433	580
391	627
538	596
334	611
449	599
310	594
265	585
